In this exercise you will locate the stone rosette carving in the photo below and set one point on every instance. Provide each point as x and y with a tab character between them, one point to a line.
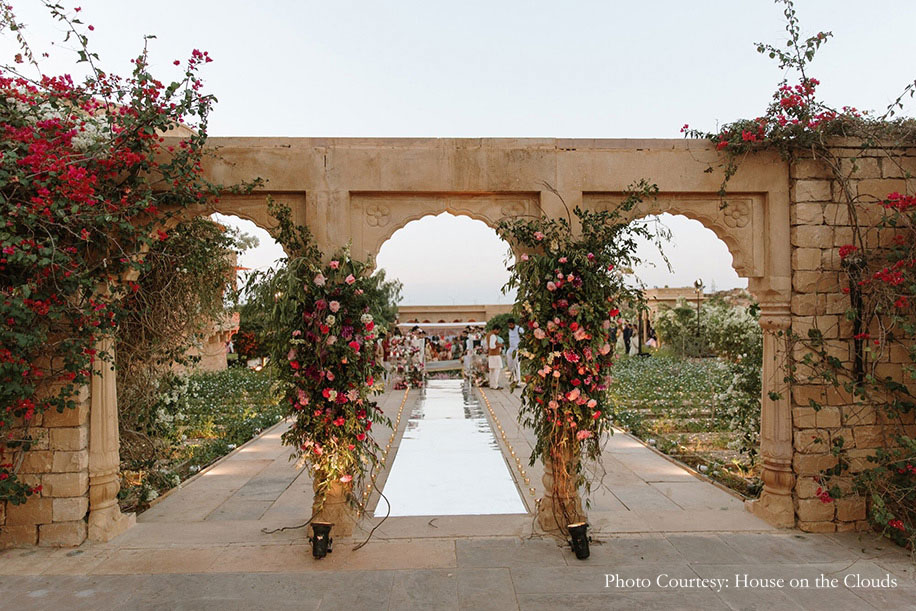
378	215
736	214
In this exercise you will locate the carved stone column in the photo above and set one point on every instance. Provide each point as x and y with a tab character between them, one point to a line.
105	518
561	506
776	504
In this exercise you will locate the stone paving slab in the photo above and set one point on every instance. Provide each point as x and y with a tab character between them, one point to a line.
501	573
204	547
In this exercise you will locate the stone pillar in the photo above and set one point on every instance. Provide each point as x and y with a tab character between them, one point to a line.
562	506
105	518
336	509
776	504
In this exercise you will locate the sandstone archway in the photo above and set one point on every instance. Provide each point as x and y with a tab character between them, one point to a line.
359	191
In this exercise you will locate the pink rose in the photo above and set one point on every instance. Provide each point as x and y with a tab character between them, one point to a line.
551	286
539	334
346	478
350	279
580	334
563	259
553	404
592	403
573	394
604	349
335	264
538	235
320	279
334	306
524	257
582	435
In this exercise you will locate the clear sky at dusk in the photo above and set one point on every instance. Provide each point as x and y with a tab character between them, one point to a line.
598	69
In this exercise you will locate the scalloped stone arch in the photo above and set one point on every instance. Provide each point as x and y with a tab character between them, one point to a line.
376	217
252	207
739	222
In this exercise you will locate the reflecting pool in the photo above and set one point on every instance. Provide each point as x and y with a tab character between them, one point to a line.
449	462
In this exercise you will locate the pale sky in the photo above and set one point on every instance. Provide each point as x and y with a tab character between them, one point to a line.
599	69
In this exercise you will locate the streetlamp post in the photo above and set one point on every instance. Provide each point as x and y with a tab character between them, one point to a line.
698	289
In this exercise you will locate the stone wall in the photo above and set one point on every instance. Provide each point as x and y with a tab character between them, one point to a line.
58	461
820	224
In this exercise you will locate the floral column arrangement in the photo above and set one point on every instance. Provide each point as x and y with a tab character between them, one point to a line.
569	291
323	341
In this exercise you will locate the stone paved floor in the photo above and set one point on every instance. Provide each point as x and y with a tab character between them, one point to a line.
203	546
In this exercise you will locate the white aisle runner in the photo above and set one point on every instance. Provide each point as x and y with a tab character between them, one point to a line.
449	462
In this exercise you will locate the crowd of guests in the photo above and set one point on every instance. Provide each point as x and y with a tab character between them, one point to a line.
479	352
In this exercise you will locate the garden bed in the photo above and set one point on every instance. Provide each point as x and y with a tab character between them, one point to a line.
206	416
671	403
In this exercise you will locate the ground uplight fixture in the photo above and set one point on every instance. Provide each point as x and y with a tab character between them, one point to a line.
578	539
321	539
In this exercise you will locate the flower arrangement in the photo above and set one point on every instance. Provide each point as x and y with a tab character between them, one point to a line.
480	372
569	292
323	335
409	369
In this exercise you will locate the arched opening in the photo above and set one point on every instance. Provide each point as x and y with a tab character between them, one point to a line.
186	393
691	385
447	260
448	460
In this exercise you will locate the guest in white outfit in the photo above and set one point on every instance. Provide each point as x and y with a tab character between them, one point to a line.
494	360
515	335
469	353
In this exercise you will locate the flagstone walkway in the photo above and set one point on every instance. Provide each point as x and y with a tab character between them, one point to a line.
204	546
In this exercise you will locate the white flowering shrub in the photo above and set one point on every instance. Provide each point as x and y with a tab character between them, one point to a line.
733	335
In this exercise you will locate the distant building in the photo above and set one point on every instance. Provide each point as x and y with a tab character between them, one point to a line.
450	314
665	298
